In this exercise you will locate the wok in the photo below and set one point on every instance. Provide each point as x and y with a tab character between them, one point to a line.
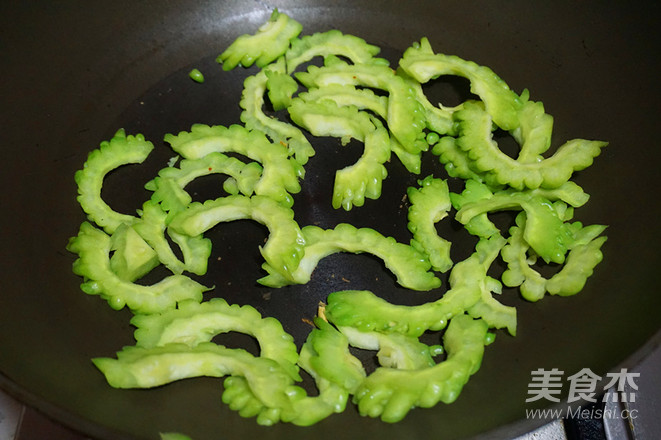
74	72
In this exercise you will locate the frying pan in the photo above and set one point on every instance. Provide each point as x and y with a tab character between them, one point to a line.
73	73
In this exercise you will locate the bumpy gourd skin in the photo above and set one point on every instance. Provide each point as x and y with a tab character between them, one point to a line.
169	186
410	267
263	387
280	86
281	132
195	250
280	174
475	139
118	151
391	393
192	323
546	231
584	254
405	116
364	178
365	311
430	204
138	367
93	247
420	62
331	43
345	95
438	118
325	356
268	43
472	153
285	245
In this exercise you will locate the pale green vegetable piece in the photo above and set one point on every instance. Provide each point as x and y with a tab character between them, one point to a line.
138	367
405	116
410	267
584	254
195	250
391	393
193	323
280	174
430	203
196	76
254	118
476	140
331	43
269	42
364	178
112	154
394	350
365	311
285	245
421	63
93	247
132	257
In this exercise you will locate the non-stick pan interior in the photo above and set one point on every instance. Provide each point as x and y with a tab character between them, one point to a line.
74	74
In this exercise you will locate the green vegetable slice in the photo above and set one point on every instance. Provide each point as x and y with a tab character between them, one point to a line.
93	247
254	118
345	95
364	178
394	350
405	118
494	313
502	104
132	257
534	132
410	267
118	151
280	86
533	136
391	393
546	231
269	42
169	187
196	76
332	398
305	410
456	162
475	139
285	245
367	312
584	254
139	367
330	357
279	176
152	227
329	43
430	204
193	323
438	117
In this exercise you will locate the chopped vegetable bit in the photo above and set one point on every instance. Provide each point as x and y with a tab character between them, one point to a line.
196	76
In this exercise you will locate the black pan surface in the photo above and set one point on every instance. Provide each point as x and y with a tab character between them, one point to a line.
73	73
